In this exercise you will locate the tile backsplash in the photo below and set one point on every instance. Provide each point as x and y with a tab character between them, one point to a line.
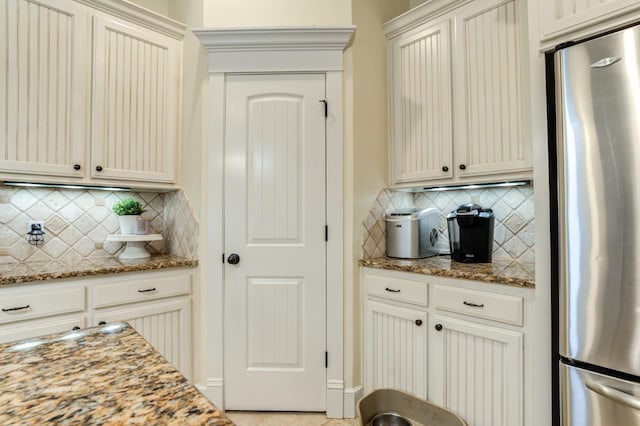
77	223
514	236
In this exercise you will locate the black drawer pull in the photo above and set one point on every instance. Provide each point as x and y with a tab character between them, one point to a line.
18	308
392	290
102	323
147	290
75	328
473	305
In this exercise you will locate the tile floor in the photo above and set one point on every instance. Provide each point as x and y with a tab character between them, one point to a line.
244	418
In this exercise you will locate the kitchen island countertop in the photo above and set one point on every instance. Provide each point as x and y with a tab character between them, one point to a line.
16	273
101	375
504	272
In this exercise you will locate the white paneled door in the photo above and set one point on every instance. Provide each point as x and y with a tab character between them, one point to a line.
275	295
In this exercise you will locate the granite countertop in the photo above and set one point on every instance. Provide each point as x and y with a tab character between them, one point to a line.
101	375
499	271
15	273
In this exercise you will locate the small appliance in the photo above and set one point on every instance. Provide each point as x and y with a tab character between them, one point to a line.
471	233
412	233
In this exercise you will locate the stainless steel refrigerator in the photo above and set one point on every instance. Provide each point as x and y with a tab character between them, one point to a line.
597	98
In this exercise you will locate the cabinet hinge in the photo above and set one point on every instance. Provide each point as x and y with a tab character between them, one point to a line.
326	359
326	107
222	257
326	232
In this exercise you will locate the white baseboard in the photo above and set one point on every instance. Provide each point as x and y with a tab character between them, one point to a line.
351	398
213	391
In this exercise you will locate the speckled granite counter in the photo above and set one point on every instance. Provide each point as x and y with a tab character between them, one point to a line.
499	271
14	273
101	375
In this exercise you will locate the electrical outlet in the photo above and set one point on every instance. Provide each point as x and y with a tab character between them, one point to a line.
35	222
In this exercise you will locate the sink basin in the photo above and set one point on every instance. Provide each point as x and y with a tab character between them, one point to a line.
397	404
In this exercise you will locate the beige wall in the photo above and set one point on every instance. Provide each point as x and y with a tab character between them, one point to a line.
240	13
365	155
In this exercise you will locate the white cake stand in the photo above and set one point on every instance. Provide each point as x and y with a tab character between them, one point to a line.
134	248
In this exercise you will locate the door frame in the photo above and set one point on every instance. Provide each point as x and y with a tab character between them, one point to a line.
272	50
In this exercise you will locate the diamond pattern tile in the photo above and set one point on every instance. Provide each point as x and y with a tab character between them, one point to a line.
514	235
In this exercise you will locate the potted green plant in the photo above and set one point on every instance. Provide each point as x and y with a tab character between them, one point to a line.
128	211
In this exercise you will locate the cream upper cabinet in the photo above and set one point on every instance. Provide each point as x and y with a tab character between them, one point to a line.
489	89
457	91
43	87
570	20
135	102
421	100
92	93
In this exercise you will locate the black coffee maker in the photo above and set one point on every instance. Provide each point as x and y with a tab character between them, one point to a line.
471	233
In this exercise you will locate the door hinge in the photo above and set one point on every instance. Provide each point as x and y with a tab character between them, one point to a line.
326	232
326	107
326	359
222	257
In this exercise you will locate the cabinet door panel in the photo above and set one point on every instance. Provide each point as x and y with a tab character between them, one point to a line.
135	102
563	16
36	328
421	105
395	348
489	87
166	326
43	78
479	372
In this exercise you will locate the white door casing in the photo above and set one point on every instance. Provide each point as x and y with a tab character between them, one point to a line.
316	49
275	336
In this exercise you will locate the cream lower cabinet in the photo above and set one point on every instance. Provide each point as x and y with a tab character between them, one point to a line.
463	350
157	304
395	346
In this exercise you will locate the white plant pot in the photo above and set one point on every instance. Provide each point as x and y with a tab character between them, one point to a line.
128	223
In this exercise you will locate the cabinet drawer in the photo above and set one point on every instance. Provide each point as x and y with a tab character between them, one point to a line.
498	307
23	306
397	289
139	290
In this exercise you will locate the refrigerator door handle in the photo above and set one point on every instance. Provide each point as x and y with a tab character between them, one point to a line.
614	394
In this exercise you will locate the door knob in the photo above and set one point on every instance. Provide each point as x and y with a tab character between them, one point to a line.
98	168
233	259
462	166
439	327
445	168
76	167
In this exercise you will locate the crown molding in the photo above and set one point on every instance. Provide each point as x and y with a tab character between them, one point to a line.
139	15
240	39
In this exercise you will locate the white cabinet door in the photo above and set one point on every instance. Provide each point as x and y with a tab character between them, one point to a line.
477	371
395	348
490	46
135	102
420	96
44	73
166	325
565	16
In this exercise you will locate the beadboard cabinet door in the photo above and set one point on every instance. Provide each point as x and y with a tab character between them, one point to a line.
478	371
566	20
135	102
420	112
395	348
490	54
43	87
165	324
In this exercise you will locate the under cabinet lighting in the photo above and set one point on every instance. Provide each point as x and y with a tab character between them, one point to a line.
470	186
63	186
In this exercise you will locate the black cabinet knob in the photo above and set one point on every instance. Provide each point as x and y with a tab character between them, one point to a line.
102	323
445	168
439	327
98	168
233	259
462	166
75	328
76	167
418	322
